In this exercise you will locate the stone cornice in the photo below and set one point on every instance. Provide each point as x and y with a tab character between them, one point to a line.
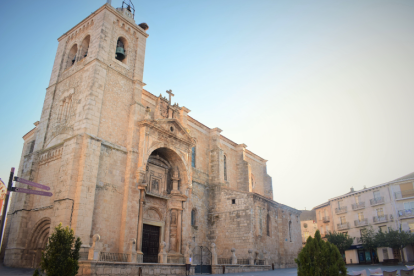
113	11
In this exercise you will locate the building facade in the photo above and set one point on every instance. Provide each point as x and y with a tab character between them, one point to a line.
385	206
308	225
324	218
132	173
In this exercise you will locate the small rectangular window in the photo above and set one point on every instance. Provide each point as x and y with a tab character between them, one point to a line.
233	201
193	157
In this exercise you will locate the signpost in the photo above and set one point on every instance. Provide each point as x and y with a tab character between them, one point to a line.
10	189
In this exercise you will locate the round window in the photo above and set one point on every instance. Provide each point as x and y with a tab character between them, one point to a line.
305	225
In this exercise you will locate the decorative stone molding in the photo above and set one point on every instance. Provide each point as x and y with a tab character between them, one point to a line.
213	254
251	259
132	251
95	249
162	256
233	256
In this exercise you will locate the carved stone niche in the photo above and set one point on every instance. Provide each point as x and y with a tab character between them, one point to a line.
157	175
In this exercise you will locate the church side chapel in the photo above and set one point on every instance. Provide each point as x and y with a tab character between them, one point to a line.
138	179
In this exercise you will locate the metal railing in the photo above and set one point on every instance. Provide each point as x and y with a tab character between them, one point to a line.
357	206
384	218
113	257
358	240
222	261
404	194
326	219
343	226
359	223
341	210
259	262
377	200
243	261
406	213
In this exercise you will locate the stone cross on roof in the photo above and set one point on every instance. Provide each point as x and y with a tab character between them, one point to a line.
169	92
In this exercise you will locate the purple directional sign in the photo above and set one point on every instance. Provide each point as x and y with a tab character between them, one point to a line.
37	185
33	192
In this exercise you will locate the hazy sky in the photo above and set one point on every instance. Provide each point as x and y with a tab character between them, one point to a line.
324	90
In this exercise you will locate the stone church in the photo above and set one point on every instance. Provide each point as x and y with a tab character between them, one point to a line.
137	178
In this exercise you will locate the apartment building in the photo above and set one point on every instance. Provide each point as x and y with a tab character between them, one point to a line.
324	218
402	192
356	210
308	224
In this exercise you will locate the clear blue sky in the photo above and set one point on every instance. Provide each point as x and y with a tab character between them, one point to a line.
324	90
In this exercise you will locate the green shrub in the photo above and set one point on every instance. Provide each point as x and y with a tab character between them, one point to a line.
58	258
320	258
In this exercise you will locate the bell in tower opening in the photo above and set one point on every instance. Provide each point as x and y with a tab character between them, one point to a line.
120	50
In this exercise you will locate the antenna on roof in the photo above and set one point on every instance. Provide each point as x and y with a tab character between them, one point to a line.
129	6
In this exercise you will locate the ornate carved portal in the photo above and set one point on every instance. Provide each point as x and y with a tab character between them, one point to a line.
163	206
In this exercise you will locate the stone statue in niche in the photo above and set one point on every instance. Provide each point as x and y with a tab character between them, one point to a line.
173	217
155	186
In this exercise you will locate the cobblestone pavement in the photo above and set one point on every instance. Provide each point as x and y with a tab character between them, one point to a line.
9	271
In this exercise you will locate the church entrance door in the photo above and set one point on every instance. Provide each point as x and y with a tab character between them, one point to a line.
150	243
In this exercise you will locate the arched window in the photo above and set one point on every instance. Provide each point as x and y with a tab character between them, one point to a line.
225	168
193	157
72	56
85	47
121	49
290	230
193	217
268	224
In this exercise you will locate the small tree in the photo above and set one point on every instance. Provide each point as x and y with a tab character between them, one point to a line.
320	258
341	240
398	239
368	240
58	258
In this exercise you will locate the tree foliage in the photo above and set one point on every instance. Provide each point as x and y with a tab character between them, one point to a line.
59	258
397	239
320	258
368	240
341	240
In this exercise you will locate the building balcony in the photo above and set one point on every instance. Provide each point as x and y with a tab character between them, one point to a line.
360	223
326	219
377	201
384	218
341	210
404	194
358	240
407	213
343	226
358	206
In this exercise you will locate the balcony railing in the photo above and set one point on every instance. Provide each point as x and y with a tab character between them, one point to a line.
358	240
113	257
358	206
343	226
326	219
384	218
377	201
341	210
406	213
359	223
404	194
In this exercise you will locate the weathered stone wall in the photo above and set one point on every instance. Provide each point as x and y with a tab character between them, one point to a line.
109	197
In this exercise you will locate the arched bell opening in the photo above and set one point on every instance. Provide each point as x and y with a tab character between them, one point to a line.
166	172
71	59
121	50
85	47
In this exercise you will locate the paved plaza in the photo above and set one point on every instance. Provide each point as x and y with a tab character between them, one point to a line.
8	271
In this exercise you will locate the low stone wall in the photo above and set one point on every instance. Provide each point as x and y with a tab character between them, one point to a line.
89	268
218	269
